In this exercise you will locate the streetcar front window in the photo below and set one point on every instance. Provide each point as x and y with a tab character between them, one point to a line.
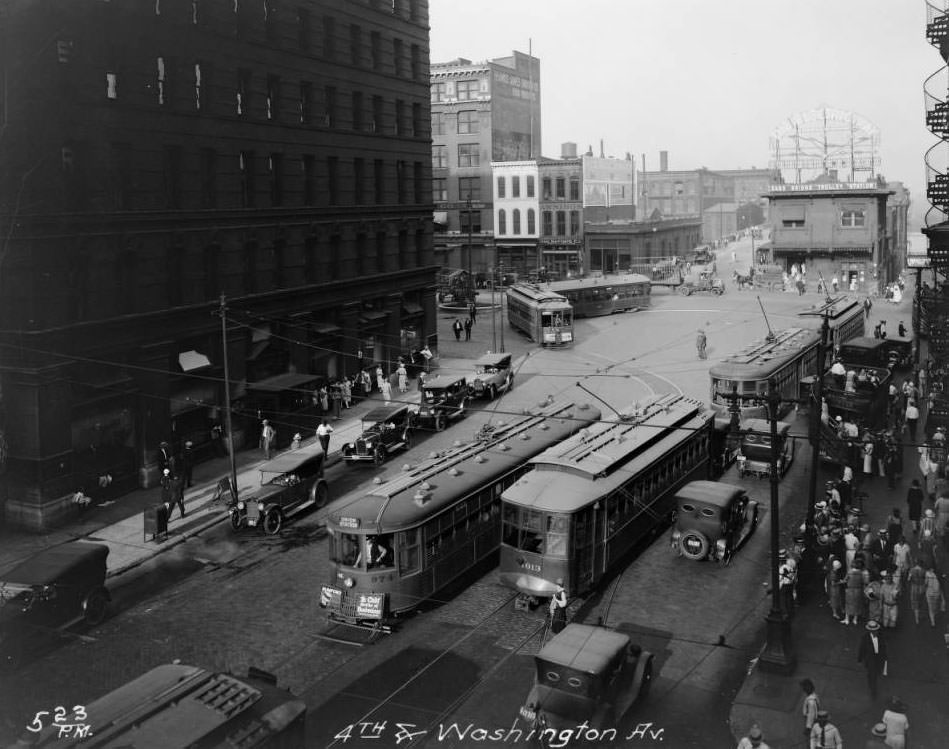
528	530
557	534
344	549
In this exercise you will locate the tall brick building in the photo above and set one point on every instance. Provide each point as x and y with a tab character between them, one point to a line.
155	155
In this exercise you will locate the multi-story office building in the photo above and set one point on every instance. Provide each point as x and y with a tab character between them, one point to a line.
516	209
482	112
155	156
561	216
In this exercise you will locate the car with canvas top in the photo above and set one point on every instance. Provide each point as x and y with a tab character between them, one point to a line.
493	374
386	429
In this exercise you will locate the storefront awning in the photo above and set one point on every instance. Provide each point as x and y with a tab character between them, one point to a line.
409	308
192	360
288	381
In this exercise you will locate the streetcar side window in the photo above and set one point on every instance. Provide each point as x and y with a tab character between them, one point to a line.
510	528
407	543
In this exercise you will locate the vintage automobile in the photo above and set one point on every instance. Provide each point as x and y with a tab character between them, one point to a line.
385	430
289	484
52	590
493	374
754	457
586	674
712	520
700	282
892	353
443	398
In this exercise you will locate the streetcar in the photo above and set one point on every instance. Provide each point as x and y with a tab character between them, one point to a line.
787	357
588	501
175	705
604	295
845	318
392	548
545	317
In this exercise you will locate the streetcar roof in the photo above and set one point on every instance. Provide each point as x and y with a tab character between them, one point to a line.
836	309
439	482
765	355
597	282
584	648
536	293
709	492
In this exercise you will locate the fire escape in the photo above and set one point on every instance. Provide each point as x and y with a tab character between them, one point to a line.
931	307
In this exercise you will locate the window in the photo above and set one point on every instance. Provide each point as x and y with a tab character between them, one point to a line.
359	180
357	110
530	185
516	221
468	155
201	87
468	122
561	188
208	178
276	179
172	156
308	165
336	247
417	128
470	220
111	86
438	123
515	186
403	248
400	179
375	50
561	223
379	180
545	183
397	55
574	223
355	44
418	191
415	65
795	223
469	187
531	221
332	179
574	188
329	37
466	90
440	189
438	91
399	117
853	217
243	91
502	222
377	114
547	219
160	82
380	251
329	106
246	169
501	186
270	20
303	29
439	157
305	103
361	254
273	96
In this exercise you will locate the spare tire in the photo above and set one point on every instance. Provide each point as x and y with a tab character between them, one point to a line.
694	545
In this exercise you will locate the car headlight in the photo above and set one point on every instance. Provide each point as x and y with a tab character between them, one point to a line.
368	445
260	507
240	505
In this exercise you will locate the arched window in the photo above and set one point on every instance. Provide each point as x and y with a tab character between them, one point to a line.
502	222
516	221
531	221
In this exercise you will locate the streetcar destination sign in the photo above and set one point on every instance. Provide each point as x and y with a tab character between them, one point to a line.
348	522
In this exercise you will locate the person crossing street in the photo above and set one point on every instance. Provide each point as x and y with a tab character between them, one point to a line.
700	343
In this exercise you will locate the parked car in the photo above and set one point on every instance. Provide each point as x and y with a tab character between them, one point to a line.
493	373
52	590
587	675
754	456
702	282
712	520
289	484
385	430
443	398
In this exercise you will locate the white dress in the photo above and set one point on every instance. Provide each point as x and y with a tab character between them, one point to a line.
868	457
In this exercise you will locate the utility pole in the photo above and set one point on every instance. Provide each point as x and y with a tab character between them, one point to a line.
778	654
501	305
816	410
222	311
470	289
494	314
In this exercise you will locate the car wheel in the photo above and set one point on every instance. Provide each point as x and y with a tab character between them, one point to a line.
694	545
509	382
321	494
95	606
439	422
379	455
684	290
273	522
492	392
237	521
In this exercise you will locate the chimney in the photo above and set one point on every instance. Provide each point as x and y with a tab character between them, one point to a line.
602	155
568	150
663	161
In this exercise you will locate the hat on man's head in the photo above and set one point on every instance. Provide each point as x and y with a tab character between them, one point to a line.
163	444
755	734
879	730
266	422
782	553
873	625
559	581
822	714
166	472
840	418
820	506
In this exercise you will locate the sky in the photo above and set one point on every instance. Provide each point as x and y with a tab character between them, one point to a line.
710	80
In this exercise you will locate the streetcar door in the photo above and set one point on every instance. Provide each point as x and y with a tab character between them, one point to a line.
583	550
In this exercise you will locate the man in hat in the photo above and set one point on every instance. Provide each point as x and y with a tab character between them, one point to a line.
787	579
872	654
187	463
164	456
824	734
268	435
700	343
558	608
754	739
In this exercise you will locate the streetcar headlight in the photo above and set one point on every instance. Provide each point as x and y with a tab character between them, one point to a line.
240	505
349	582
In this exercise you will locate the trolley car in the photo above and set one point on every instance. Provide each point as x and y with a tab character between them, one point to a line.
846	319
787	357
586	502
604	295
394	547
545	317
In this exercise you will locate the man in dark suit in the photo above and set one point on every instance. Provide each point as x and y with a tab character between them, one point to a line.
872	654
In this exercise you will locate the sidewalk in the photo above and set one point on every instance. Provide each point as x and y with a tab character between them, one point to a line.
826	651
